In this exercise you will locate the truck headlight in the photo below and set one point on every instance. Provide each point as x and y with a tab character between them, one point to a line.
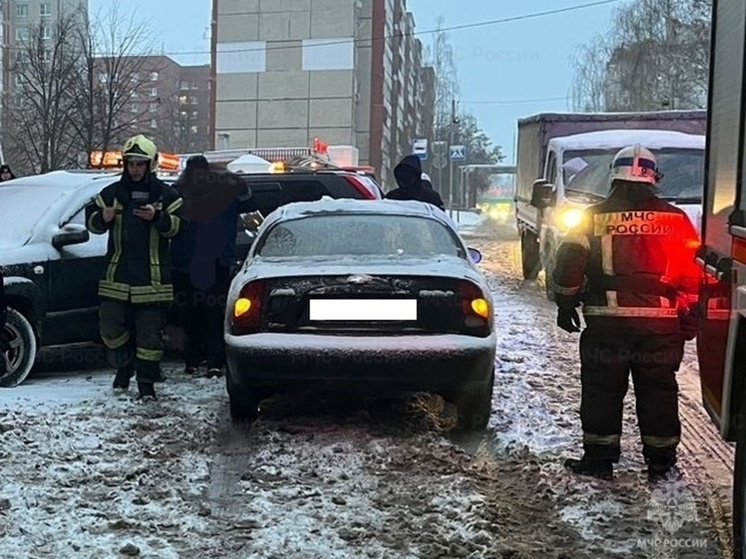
571	217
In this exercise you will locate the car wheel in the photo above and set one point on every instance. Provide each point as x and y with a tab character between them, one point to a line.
21	353
243	403
475	407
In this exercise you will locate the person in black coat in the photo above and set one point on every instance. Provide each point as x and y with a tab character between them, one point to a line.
408	175
3	313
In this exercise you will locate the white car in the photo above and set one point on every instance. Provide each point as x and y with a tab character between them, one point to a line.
379	296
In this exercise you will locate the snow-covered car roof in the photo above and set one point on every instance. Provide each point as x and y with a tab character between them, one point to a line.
653	139
63	180
329	205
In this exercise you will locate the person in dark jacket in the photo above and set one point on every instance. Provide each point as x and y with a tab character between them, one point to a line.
204	255
5	173
631	264
3	318
408	175
141	215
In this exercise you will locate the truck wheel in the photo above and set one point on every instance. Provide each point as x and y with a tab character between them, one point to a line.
21	352
739	496
530	259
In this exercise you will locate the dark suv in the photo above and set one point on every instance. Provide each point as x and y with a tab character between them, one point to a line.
272	190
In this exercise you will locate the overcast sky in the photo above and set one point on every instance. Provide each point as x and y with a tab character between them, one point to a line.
507	70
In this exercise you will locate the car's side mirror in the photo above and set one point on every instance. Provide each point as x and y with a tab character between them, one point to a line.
251	221
71	234
475	255
541	196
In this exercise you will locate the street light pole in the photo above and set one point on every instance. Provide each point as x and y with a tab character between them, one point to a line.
452	128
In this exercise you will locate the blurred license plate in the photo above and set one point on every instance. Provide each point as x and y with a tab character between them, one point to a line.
363	309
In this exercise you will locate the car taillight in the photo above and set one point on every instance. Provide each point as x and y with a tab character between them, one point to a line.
475	307
247	309
359	185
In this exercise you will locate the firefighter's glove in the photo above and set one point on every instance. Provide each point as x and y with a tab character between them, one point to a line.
688	324
568	319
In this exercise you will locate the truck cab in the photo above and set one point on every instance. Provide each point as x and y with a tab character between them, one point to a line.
576	174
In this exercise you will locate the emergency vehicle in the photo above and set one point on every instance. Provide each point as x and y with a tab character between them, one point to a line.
721	341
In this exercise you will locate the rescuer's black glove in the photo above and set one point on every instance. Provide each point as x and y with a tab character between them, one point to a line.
568	319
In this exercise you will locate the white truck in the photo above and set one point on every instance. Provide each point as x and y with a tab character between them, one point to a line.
563	163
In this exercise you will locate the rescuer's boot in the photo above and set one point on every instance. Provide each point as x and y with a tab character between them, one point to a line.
663	470
123	376
601	469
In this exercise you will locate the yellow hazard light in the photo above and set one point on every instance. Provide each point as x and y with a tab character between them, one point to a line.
241	307
277	167
481	307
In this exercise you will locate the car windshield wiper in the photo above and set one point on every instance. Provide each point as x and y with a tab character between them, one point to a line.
586	195
683	199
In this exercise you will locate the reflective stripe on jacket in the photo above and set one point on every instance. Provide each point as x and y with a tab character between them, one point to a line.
138	261
632	257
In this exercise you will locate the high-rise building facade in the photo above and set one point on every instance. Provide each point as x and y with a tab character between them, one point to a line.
346	71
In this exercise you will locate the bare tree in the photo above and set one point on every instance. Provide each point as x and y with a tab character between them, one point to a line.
41	104
590	79
655	56
113	79
442	59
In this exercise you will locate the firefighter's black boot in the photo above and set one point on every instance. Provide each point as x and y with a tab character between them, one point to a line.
123	376
662	470
147	391
601	469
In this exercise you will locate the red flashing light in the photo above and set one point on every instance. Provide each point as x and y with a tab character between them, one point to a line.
319	146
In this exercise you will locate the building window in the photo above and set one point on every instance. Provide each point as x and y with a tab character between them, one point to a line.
184	85
194	129
45	10
154	92
193	101
134	108
153	123
21	34
183	100
46	55
21	10
153	107
19	80
153	76
195	114
46	32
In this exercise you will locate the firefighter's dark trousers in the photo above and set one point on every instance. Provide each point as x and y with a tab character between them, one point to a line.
132	334
606	361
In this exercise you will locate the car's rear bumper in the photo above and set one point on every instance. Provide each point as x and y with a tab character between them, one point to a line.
436	362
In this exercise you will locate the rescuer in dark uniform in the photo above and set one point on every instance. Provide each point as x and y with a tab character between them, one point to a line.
631	265
141	214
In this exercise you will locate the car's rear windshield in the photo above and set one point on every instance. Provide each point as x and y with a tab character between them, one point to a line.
359	235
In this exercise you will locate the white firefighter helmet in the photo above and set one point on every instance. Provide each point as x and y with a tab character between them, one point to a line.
425	177
636	164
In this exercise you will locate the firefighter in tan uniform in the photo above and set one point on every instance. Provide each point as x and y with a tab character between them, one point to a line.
631	264
141	215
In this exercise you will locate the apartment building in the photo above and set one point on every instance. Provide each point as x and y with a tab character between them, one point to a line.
22	19
164	100
345	71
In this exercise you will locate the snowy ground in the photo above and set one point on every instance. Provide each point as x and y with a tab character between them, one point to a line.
86	474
